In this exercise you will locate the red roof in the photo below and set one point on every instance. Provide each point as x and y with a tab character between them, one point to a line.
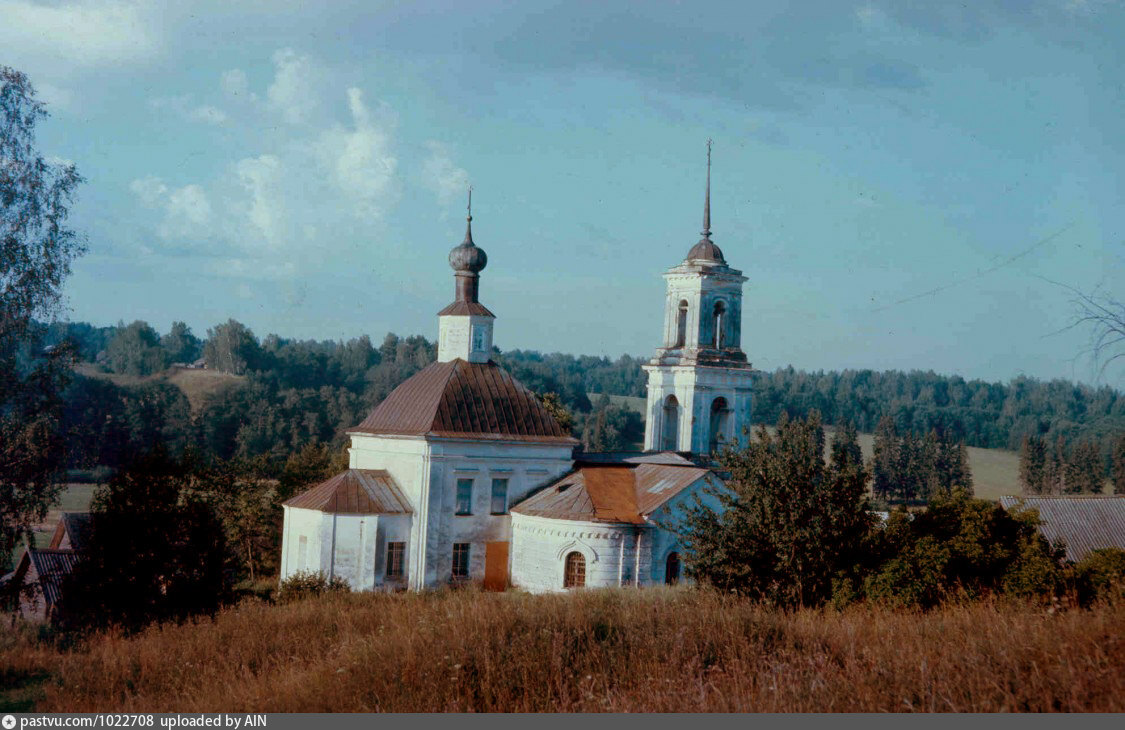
617	493
459	399
355	492
467	309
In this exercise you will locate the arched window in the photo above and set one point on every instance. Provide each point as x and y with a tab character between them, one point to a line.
575	575
720	321
671	423
681	324
720	418
672	568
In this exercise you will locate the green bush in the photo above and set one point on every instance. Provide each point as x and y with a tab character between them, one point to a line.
300	586
1100	576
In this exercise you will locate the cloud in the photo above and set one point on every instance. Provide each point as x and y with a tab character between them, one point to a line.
151	190
440	175
359	160
207	114
76	34
259	177
234	83
293	91
186	211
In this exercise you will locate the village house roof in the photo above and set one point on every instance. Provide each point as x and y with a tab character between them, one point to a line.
72	531
355	492
459	399
1084	523
49	568
611	493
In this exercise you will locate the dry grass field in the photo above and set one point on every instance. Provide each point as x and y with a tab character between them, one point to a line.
656	650
196	384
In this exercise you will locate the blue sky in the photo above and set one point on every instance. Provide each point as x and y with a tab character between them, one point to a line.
878	168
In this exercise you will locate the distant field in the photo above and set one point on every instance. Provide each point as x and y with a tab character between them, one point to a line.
996	473
196	384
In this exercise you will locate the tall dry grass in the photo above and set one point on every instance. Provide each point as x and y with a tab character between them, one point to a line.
657	650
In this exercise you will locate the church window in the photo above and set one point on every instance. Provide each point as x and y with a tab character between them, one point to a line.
478	338
720	418
671	423
575	575
672	568
681	323
464	496
499	496
720	325
460	560
396	559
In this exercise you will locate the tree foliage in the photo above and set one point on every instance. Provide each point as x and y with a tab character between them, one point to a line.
907	468
136	350
36	251
792	524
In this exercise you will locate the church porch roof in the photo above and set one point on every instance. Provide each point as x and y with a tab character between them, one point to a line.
356	492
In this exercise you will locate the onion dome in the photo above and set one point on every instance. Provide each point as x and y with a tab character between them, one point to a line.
706	250
468	257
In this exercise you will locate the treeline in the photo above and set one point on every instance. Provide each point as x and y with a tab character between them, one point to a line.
300	391
1059	468
987	415
908	468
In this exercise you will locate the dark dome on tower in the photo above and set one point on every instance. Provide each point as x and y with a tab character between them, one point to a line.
467	257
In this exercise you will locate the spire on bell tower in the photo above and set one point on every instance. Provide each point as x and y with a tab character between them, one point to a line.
706	251
707	199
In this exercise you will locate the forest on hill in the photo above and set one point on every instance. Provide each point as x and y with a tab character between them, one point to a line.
290	393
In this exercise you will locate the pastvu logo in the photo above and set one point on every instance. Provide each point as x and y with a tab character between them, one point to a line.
9	722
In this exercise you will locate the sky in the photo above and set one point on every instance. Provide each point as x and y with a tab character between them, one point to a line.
906	185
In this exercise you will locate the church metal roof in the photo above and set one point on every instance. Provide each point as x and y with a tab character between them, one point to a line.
1084	523
626	494
51	569
459	399
355	492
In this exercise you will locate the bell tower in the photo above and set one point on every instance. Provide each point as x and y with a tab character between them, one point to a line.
699	381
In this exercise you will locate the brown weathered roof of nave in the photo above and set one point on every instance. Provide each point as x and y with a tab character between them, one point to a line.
1084	523
72	531
459	399
622	493
466	309
355	492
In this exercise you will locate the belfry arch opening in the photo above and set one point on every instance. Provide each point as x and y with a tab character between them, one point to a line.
720	421
671	436
719	317
681	323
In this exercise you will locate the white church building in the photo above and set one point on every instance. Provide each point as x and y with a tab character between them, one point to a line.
461	474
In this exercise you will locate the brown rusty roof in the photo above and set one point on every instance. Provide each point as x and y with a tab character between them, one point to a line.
51	568
1084	523
616	493
458	399
467	309
73	529
355	492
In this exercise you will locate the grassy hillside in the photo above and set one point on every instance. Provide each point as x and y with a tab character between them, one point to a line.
654	650
996	473
196	384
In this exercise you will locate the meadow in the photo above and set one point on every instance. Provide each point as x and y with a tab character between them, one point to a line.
655	650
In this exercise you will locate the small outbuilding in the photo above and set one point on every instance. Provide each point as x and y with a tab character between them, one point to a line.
1084	523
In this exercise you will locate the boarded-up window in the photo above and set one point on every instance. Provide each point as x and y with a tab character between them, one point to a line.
460	560
302	553
464	496
499	496
396	559
575	576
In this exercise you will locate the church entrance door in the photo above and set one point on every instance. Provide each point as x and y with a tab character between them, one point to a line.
495	566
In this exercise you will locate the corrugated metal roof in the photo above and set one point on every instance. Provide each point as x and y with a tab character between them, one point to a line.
616	493
459	399
632	457
1084	523
52	567
355	492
